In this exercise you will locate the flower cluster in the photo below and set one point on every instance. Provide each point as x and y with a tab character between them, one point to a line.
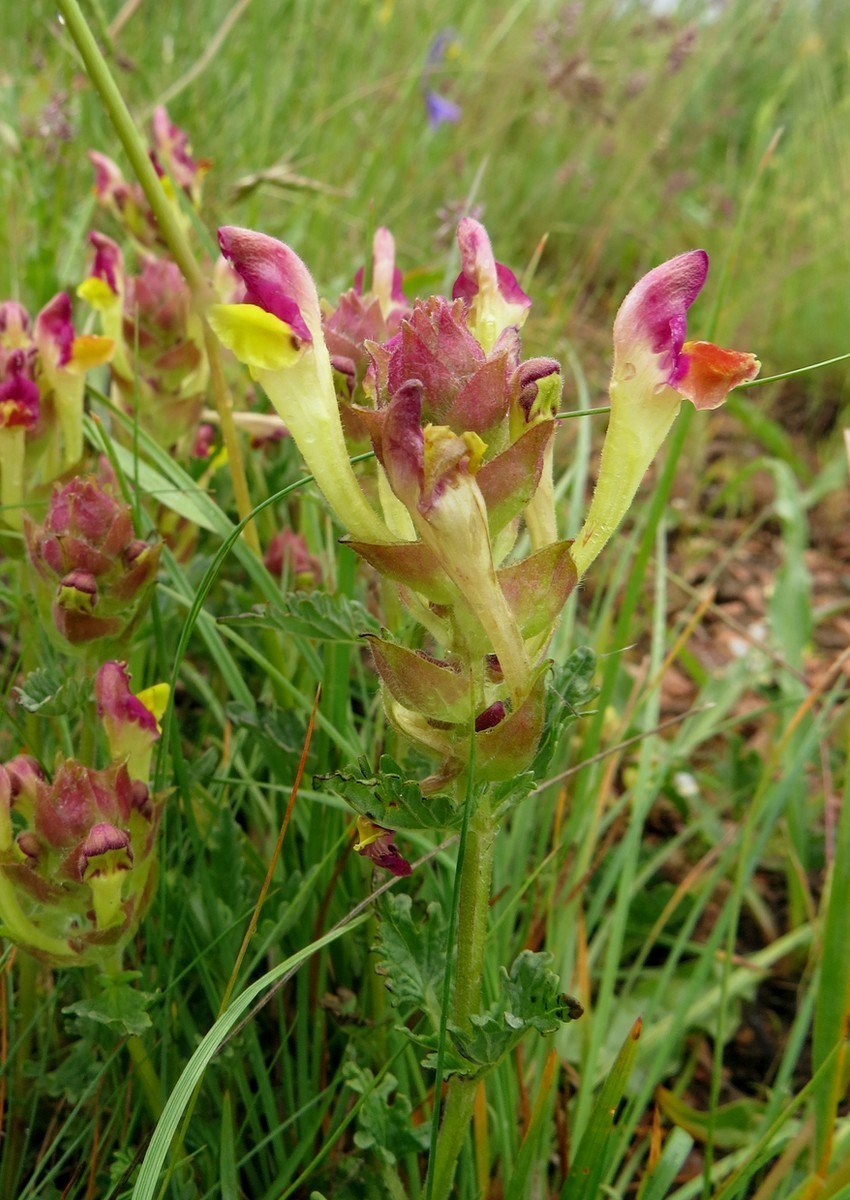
171	155
159	370
77	850
93	575
43	365
462	428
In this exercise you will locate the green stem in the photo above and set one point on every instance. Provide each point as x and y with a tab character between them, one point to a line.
165	213
148	1078
393	1187
145	1073
25	1019
473	908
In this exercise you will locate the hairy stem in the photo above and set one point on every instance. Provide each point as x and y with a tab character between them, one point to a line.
473	906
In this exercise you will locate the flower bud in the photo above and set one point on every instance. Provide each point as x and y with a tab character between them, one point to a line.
94	577
373	315
76	879
288	557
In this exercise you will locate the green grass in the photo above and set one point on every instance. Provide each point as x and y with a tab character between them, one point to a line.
694	876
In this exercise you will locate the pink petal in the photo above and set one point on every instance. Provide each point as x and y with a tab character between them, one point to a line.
275	278
652	318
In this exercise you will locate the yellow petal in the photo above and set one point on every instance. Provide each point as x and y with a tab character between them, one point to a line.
97	293
89	351
155	699
256	337
367	833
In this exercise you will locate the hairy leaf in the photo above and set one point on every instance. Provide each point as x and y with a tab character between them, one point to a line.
50	692
570	689
384	1124
313	615
387	798
412	954
120	1005
529	999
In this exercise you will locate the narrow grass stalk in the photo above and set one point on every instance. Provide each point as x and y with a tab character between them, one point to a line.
832	1007
166	218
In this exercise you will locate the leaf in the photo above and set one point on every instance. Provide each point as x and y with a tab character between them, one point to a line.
193	1072
832	998
529	999
179	492
282	727
384	1125
591	1157
387	798
120	1005
508	793
312	615
734	1124
412	954
75	1076
658	1183
51	693
570	689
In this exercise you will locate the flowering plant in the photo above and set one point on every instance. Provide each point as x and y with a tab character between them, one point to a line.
77	850
43	365
462	429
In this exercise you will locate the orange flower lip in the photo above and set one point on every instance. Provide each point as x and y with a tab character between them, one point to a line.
712	372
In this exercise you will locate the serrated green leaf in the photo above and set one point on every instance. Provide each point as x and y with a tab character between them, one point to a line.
384	1123
51	693
283	728
529	999
412	954
120	1005
313	615
387	798
574	679
570	689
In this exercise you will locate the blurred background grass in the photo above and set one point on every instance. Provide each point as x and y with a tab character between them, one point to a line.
621	134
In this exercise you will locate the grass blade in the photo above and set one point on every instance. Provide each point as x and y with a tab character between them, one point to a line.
588	1166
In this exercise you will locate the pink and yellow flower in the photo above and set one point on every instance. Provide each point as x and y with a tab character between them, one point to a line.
277	332
654	368
495	299
131	721
42	386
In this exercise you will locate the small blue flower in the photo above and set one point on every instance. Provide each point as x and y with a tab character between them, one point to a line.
440	110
